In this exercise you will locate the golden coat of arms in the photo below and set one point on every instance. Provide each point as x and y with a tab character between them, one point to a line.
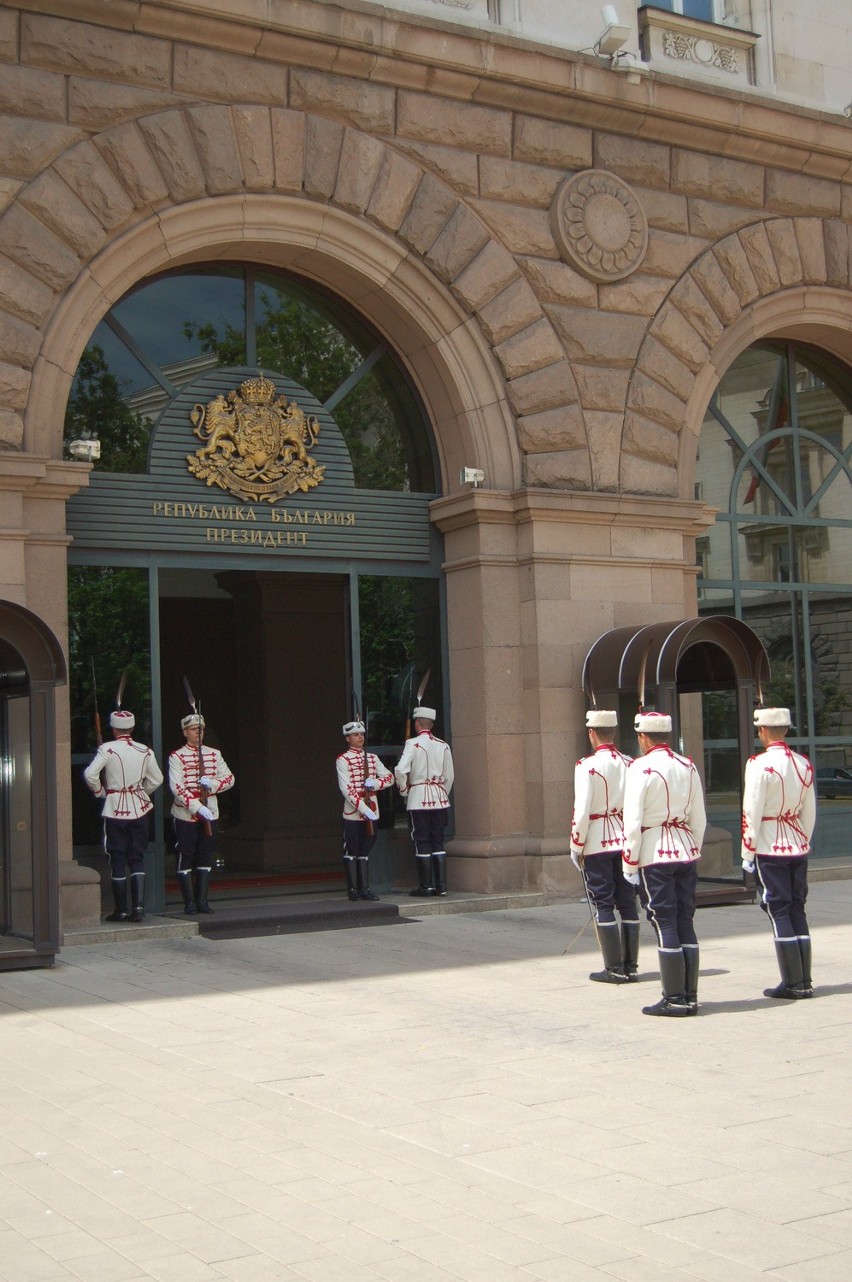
255	444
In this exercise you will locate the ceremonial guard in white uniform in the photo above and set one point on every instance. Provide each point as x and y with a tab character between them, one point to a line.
360	775
197	774
779	813
597	842
424	775
125	773
664	822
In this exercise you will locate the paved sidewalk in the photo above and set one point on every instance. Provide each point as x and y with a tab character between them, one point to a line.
425	1102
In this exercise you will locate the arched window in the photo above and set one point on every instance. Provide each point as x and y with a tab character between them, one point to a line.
775	460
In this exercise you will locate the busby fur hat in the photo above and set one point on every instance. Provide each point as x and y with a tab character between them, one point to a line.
652	723
122	720
194	719
601	719
425	714
354	727
772	717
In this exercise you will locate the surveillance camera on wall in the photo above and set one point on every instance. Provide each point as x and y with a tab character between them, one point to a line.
615	33
85	450
471	476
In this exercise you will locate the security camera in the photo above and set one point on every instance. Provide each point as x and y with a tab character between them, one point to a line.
86	450
471	476
615	33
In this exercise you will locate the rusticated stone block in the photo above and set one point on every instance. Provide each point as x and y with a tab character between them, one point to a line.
642	162
640	295
522	231
491	271
603	338
548	142
458	169
11	430
8	35
30	244
25	92
811	244
168	136
836	235
556	429
712	221
663	209
689	300
430	119
95	51
394	191
666	368
785	250
366	106
511	311
127	154
14	386
670	255
654	402
323	145
87	173
645	438
98	104
733	261
759	252
601	387
288	148
675	332
532	349
231	77
457	245
55	204
502	179
360	161
431	209
604	433
715	287
215	141
9	189
644	476
23	294
562	470
19	341
28	146
556	282
717	178
543	389
253	132
789	193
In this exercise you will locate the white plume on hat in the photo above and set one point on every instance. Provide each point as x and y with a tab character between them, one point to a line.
601	719
194	719
425	714
652	723
772	717
122	720
354	727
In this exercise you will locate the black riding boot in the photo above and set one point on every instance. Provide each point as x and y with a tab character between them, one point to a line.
673	978
119	899
350	865
185	880
364	891
610	943
201	878
439	872
630	948
690	985
790	965
805	953
137	896
424	876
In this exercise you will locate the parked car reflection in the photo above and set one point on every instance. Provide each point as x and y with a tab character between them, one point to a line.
833	781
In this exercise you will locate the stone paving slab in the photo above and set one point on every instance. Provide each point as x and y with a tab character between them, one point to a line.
449	1101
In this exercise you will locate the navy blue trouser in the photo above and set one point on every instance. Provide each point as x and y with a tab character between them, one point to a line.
783	894
125	841
667	892
607	888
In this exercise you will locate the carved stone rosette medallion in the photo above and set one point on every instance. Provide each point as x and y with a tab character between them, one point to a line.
256	445
599	225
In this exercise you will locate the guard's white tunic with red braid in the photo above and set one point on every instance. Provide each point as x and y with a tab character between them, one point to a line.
130	773
351	776
184	773
424	773
596	824
779	806
664	814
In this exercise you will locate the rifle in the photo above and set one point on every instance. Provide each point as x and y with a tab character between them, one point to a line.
421	690
366	795
203	794
98	732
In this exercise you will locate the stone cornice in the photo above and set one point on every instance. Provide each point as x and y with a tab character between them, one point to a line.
567	507
42	477
494	69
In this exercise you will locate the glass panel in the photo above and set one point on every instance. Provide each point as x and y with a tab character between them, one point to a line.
17	907
98	408
831	647
722	761
834	800
172	318
776	617
400	642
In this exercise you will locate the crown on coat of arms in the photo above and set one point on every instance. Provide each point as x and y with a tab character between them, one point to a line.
258	391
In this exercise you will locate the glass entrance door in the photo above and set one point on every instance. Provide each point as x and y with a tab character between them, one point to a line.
17	920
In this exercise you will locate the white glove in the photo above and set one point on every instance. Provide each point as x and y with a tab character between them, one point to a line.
632	877
206	783
371	783
204	812
748	864
367	811
575	860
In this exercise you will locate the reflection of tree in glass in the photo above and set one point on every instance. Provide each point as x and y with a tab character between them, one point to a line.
301	344
96	408
107	622
387	646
